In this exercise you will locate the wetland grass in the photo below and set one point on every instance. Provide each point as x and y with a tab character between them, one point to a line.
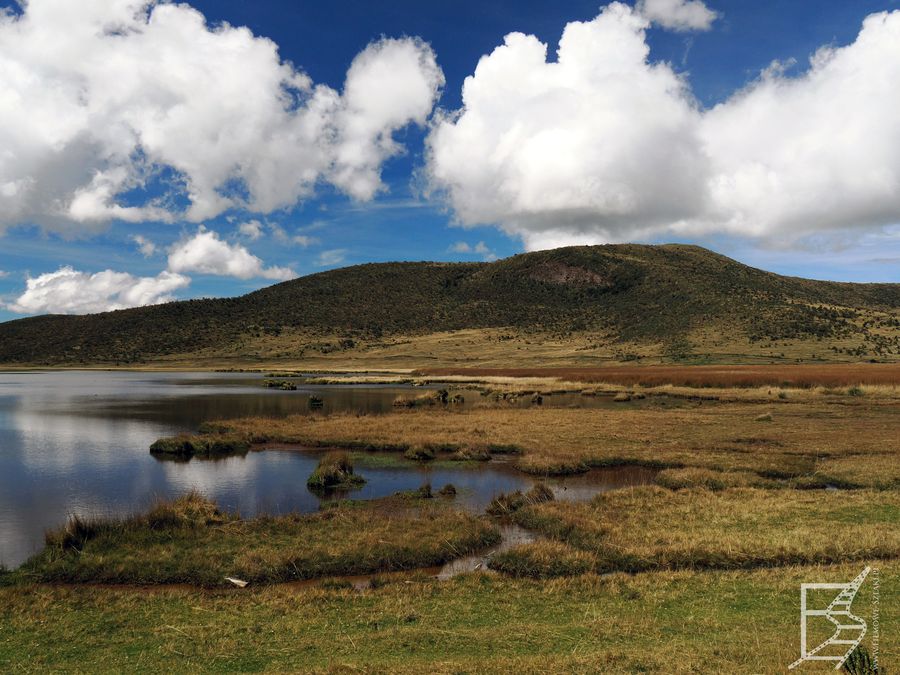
190	541
334	472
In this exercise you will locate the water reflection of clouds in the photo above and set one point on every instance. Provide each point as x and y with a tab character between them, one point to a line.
78	442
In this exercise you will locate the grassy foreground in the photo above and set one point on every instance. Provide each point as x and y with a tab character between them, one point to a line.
660	622
703	569
190	541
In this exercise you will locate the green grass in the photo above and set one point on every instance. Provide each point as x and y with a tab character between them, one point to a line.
738	622
191	541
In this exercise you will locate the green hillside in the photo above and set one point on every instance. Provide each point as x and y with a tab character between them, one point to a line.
632	294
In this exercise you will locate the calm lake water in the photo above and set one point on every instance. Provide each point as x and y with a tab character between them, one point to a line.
78	442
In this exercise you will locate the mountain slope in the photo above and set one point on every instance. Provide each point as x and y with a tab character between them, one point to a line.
630	293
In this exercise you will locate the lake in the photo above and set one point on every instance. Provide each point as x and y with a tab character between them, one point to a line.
78	442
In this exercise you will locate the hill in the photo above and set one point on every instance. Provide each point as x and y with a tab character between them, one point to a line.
622	301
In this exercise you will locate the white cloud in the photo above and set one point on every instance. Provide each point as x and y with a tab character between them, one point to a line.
145	246
304	240
678	15
252	230
603	145
479	249
331	257
3	274
99	96
390	84
584	149
206	253
68	291
821	151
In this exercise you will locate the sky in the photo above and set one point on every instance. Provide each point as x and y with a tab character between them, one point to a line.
152	151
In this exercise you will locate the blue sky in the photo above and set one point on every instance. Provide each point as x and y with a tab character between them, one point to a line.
330	228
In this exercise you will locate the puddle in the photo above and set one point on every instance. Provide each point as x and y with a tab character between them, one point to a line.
512	535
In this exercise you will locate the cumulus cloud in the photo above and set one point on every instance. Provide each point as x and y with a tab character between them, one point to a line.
102	97
206	253
460	247
678	15
304	240
68	291
592	146
331	257
252	230
603	145
145	246
793	155
478	249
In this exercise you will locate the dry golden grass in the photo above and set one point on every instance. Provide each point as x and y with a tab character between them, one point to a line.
854	441
793	376
651	528
189	541
693	477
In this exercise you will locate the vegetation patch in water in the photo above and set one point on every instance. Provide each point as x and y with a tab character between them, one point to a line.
283	385
334	472
507	503
186	446
189	540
